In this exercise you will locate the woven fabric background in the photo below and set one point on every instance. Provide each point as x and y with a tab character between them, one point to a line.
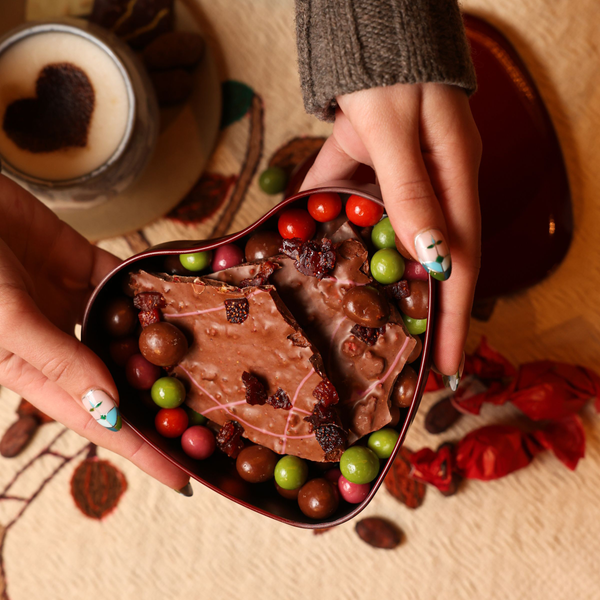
533	535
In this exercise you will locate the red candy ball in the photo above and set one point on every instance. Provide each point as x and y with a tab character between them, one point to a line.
296	223
198	442
227	256
171	422
415	270
354	493
140	373
324	206
363	212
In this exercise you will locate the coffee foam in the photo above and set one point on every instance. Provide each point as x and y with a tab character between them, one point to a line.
20	66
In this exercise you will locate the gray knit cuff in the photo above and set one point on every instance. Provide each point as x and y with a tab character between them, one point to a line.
349	45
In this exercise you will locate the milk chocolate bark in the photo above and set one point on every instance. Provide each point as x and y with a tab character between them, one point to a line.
234	331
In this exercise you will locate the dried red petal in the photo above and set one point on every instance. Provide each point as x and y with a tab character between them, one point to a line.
237	310
149	317
368	335
326	393
398	290
434	382
280	400
146	301
255	390
313	258
487	363
566	438
401	485
229	438
265	271
434	467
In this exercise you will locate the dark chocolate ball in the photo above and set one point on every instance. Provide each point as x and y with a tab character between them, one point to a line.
256	464
366	306
417	304
163	344
120	317
404	388
417	350
401	248
318	498
287	494
173	266
263	244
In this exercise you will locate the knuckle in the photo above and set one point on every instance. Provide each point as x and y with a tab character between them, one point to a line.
412	191
60	367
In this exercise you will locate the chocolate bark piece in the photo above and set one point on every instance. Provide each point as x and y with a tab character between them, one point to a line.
268	344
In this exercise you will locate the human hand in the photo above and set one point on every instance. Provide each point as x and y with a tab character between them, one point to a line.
47	272
423	144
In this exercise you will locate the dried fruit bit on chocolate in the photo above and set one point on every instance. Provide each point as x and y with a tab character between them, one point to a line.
368	335
149	317
378	533
313	258
328	430
262	277
398	290
237	310
280	400
146	301
325	393
229	438
255	390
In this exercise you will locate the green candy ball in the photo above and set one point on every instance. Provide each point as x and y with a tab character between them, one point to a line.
387	266
194	418
382	442
196	261
383	235
359	464
168	392
273	180
415	326
291	472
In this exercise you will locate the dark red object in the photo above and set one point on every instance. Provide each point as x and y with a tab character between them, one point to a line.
229	439
171	422
401	485
435	468
326	393
280	400
149	317
566	438
237	311
255	390
146	301
296	223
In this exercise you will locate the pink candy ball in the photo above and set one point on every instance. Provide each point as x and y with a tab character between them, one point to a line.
198	442
415	270
227	256
354	493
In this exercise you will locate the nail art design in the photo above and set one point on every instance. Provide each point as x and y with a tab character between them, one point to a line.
103	408
186	490
453	381
434	254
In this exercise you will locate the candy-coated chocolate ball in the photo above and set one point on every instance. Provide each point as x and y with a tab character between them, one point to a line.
287	494
291	472
273	180
366	306
333	475
168	392
256	464
359	464
163	344
382	442
196	261
198	442
140	373
383	235
363	212
123	349
262	245
416	350
227	256
415	270
402	249
387	266
172	265
195	418
417	304
171	422
296	223
318	498
120	317
354	493
404	388
324	206
415	326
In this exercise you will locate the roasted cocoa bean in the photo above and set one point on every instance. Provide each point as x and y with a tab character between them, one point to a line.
17	436
379	533
441	416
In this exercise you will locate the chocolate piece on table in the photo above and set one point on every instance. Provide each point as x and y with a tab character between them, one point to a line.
268	344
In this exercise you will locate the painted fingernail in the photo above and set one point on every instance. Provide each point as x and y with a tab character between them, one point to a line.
453	381
103	408
434	254
186	490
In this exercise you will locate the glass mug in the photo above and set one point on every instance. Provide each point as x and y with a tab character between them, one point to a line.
78	115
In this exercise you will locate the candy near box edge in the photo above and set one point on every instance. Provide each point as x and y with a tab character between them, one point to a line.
136	422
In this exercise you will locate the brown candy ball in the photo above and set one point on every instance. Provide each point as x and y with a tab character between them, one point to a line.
417	350
263	244
120	317
366	306
256	464
287	494
405	386
401	248
417	304
163	344
318	498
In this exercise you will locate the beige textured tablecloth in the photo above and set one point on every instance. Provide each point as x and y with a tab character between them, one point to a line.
532	535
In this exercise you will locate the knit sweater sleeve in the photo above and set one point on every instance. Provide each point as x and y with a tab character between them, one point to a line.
348	45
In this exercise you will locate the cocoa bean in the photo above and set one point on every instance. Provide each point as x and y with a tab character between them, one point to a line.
441	416
17	436
379	533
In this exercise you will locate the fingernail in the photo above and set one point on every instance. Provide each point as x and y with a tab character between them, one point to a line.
433	253
103	408
453	381
186	490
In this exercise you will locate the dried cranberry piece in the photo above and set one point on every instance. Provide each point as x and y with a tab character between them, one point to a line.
262	277
148	301
149	317
332	440
255	390
280	400
292	247
325	393
237	310
368	335
229	438
398	290
322	415
313	258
